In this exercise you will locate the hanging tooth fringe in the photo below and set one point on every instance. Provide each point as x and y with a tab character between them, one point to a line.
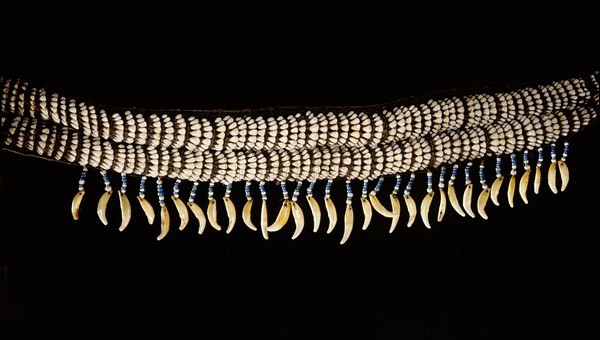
124	204
165	219
524	182
79	195
196	210
497	182
513	181
452	192
211	209
284	212
468	194
330	207
376	203
426	203
538	172
441	185
264	217
102	203
552	170
146	206
348	214
562	167
411	206
230	209
395	204
314	207
247	210
182	211
485	193
297	211
366	206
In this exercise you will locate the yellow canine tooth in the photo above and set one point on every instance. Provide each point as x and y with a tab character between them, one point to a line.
264	219
348	223
199	214
511	190
76	203
367	212
564	174
316	212
125	210
425	204
298	219
442	208
231	213
482	202
147	208
182	211
537	181
395	211
102	203
282	217
211	213
495	191
411	206
523	184
552	177
378	206
247	214
331	214
165	222
467	199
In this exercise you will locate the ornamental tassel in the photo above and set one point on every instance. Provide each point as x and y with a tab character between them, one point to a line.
366	206
330	207
297	211
513	181
441	185
284	212
524	182
562	167
552	169
410	202
348	215
247	210
452	193
538	171
184	216
165	220
229	208
426	203
314	207
196	210
146	206
102	203
124	204
264	217
497	183
485	192
211	209
395	204
79	195
468	194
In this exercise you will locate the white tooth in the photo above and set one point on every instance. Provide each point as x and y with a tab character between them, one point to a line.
511	190
331	213
379	207
467	199
564	174
367	211
197	211
395	211
125	210
182	211
454	200
211	213
348	223
298	219
425	204
496	189
282	217
316	212
165	222
412	209
442	208
231	213
76	203
148	210
523	183
482	201
264	220
537	180
102	206
246	215
552	177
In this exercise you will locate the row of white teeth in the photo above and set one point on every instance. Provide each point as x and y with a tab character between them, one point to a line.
290	207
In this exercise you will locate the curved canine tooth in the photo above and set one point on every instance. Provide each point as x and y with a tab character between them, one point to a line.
102	206
298	219
564	174
467	199
379	207
247	214
125	210
316	212
147	207
367	211
282	217
552	177
523	183
76	203
412	209
264	220
511	191
348	223
496	189
165	221
184	216
442	209
230	208
331	213
425	204
454	201
197	211
211	213
537	181
395	211
482	201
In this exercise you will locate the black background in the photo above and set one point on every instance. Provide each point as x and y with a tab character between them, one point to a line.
531	272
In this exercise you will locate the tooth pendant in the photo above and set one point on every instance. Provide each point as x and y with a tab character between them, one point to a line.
538	172
314	207
395	204
348	214
264	217
146	206
512	183
366	206
411	206
376	203
330	207
182	211
497	182
562	167
103	202
124	204
485	193
165	220
426	203
284	212
230	209
211	209
297	211
468	194
441	185
452	192
247	210
79	195
196	210
552	170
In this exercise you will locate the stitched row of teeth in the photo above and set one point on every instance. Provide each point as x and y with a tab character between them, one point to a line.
297	131
365	162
